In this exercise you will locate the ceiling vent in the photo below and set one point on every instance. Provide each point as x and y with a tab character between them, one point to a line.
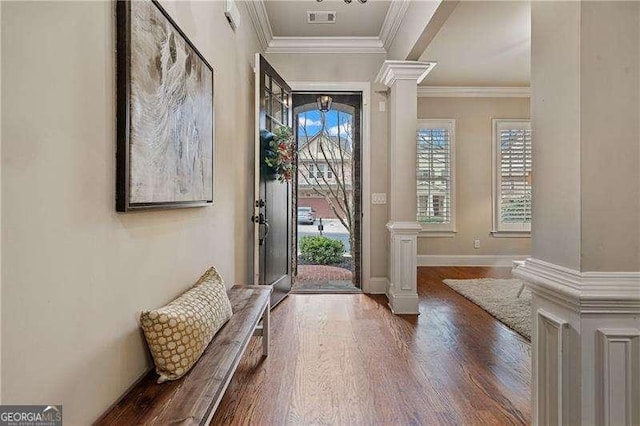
318	17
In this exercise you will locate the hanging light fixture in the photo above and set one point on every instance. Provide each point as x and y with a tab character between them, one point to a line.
324	103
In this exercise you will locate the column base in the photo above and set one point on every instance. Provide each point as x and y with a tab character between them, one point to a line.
403	304
403	288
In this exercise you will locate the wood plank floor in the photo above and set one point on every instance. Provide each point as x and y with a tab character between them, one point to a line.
345	359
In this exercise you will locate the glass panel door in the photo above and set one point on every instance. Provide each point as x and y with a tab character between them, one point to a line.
273	216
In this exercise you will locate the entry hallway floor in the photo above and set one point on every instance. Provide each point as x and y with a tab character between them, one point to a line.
345	359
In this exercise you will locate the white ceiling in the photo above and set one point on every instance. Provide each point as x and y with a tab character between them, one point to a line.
288	18
482	43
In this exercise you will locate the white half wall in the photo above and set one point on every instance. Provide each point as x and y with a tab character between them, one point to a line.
585	344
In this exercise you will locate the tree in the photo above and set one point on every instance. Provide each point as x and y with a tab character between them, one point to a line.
334	153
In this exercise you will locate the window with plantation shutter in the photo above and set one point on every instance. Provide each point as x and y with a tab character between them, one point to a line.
512	176
435	183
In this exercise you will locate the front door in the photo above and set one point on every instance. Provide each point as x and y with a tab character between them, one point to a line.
273	237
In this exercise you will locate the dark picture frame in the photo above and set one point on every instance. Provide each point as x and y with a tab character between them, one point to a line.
202	173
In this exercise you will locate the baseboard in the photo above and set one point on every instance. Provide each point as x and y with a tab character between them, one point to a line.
378	285
468	260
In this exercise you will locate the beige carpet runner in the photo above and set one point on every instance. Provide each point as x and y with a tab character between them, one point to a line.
499	298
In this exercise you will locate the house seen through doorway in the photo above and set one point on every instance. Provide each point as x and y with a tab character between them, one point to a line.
328	210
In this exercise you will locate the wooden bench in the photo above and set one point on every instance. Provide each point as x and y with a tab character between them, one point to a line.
193	399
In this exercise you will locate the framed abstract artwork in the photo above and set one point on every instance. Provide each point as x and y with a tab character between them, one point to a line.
165	113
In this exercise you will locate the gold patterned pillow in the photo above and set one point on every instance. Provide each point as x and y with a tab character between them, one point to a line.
178	333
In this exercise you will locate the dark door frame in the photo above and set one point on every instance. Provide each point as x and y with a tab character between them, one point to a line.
355	100
279	276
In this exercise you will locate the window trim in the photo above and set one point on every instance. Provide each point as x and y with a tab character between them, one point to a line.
496	229
441	229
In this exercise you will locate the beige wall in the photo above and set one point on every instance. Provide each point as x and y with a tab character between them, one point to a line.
610	133
75	273
473	174
327	66
352	68
555	125
585	109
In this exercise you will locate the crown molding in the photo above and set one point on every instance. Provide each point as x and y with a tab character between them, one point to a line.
584	292
272	44
392	21
392	71
473	92
325	45
260	21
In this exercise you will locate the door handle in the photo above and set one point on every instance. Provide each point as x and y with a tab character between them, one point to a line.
261	220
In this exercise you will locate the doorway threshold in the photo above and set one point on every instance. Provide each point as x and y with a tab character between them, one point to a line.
325	286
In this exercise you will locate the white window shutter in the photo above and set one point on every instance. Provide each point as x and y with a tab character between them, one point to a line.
512	175
434	172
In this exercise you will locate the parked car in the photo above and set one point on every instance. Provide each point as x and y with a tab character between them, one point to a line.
306	215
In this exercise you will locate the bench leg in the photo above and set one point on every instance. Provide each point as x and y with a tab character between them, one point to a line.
265	329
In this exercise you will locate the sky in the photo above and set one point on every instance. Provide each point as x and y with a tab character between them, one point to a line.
313	121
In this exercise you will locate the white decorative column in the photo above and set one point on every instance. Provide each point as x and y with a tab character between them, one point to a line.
403	290
584	273
403	77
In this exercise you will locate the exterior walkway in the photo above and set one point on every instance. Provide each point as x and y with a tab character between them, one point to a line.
323	279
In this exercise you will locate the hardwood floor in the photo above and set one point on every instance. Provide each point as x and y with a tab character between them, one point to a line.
345	359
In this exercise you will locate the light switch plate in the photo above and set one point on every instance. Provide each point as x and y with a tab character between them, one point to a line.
379	198
382	106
